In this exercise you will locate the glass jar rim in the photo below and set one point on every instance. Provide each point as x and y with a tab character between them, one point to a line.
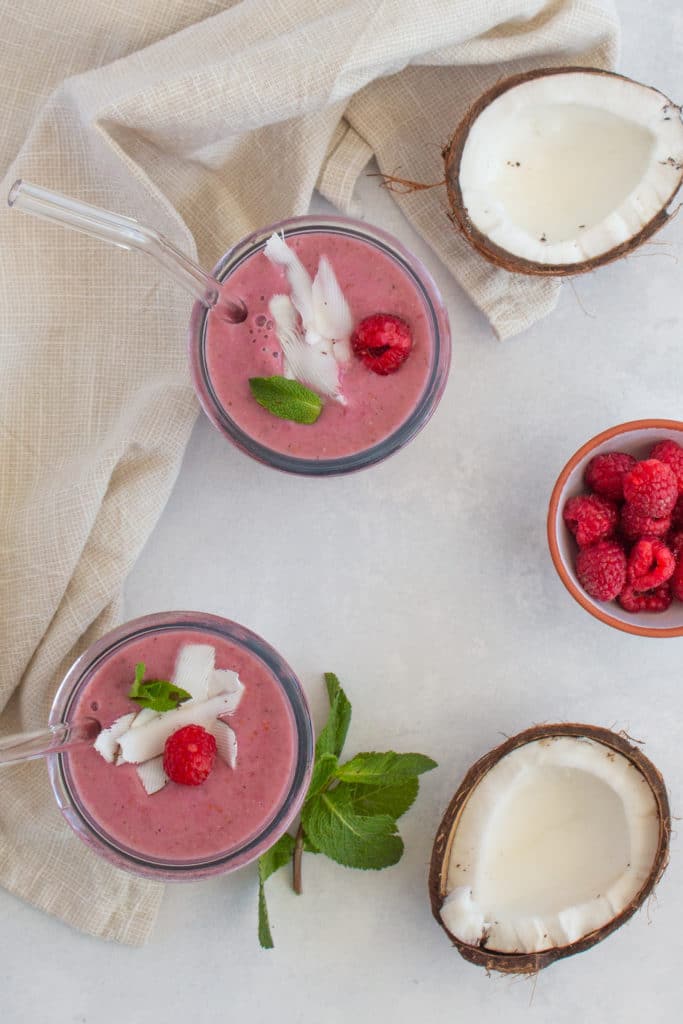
86	826
432	390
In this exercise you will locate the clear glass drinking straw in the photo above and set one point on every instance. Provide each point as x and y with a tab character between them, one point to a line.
29	745
127	234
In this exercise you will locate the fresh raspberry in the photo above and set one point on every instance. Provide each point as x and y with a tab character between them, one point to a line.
677	514
651	601
605	474
590	518
651	488
676	582
675	545
672	454
633	525
674	542
189	754
383	342
650	564
601	570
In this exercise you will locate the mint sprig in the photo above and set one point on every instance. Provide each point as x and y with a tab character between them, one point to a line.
273	859
288	399
157	694
351	809
352	839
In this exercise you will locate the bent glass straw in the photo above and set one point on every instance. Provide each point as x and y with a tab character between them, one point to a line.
64	736
127	234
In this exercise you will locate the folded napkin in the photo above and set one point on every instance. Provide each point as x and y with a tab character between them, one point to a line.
206	121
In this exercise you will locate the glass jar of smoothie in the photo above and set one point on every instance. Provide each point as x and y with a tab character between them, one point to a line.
185	832
389	376
380	414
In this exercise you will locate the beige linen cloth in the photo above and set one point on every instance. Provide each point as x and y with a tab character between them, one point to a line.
205	120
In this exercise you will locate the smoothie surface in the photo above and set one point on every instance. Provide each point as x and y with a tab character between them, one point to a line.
179	822
376	406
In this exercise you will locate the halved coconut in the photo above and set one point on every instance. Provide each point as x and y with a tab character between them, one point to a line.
560	170
552	841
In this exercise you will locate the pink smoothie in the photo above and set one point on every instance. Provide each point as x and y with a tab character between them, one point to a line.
376	406
187	822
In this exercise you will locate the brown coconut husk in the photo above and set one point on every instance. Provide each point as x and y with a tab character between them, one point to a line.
452	155
531	963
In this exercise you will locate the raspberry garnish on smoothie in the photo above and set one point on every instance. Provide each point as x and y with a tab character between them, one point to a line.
178	726
189	755
383	342
315	329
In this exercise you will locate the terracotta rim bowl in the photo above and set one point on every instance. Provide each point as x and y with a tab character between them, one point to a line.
637	438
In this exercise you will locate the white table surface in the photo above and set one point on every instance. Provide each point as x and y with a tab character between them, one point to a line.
426	584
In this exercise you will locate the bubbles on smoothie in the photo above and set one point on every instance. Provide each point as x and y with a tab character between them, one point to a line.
94	706
269	325
261	320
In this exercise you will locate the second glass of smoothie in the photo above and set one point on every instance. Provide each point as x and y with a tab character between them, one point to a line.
381	413
185	832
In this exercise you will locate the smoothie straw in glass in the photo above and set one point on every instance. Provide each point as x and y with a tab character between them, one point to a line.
128	234
57	738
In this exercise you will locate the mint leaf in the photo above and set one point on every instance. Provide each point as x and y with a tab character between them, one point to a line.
157	694
139	676
323	770
268	863
332	685
369	768
379	799
356	841
342	712
288	399
160	695
350	810
331	739
276	857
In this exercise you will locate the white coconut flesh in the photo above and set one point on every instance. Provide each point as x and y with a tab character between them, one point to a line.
107	742
563	168
139	737
193	669
152	775
314	350
554	842
226	742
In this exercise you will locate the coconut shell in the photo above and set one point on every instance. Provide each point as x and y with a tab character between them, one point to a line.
531	963
452	155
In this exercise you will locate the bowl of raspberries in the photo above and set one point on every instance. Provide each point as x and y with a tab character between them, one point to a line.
615	527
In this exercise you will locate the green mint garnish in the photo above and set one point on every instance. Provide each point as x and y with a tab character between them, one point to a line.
288	399
273	859
351	809
389	768
157	694
332	738
354	840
